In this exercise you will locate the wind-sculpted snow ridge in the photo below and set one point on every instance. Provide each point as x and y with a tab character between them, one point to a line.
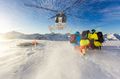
59	60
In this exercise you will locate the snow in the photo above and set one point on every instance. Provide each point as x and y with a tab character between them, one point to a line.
112	36
58	60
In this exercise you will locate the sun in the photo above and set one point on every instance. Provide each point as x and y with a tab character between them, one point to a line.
5	24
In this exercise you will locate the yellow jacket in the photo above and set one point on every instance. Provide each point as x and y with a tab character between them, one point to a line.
84	42
94	36
89	35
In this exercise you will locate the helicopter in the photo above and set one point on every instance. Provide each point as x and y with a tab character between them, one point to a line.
61	8
60	17
60	22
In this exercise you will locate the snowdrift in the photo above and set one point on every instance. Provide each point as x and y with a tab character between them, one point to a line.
58	60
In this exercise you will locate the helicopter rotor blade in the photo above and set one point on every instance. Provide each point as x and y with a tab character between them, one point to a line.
40	7
77	1
52	17
78	17
74	16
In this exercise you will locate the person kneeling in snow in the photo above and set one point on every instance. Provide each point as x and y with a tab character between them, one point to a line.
84	42
75	40
96	39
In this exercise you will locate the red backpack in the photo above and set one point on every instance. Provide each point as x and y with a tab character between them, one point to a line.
73	38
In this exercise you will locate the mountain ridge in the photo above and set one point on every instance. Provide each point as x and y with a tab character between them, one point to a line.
51	36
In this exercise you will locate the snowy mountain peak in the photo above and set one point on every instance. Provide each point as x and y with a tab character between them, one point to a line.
112	36
14	32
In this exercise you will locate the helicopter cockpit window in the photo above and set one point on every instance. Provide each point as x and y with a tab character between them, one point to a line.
60	18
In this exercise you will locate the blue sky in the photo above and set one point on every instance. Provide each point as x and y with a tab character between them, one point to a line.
104	15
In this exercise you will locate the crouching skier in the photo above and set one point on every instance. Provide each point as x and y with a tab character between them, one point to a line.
75	40
96	39
84	43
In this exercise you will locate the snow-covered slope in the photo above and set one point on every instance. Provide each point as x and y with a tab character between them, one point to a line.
58	60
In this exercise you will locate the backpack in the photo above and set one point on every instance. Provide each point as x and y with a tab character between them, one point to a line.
73	38
84	35
100	37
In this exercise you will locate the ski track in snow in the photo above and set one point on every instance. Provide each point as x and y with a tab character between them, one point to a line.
59	60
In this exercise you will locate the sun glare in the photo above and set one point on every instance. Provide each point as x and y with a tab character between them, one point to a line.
5	24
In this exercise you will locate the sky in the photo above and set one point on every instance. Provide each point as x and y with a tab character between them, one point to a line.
102	15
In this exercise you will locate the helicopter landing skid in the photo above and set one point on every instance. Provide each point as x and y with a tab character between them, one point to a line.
57	26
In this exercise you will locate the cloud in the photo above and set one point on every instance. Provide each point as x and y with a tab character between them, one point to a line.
111	9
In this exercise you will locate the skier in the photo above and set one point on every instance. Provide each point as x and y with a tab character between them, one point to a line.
84	42
75	39
94	43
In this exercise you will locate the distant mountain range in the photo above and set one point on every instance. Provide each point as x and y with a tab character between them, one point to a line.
51	36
